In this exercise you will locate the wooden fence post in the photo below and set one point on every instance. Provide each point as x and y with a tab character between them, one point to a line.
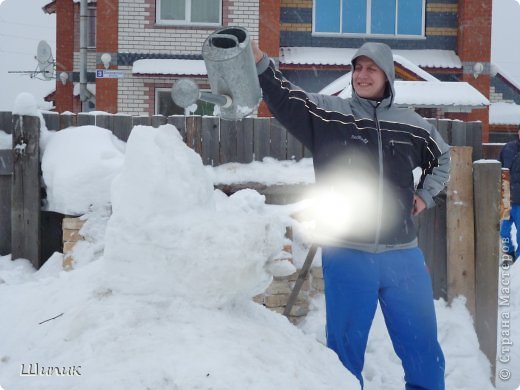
209	132
431	233
245	141
122	126
159	120
487	177
193	127
460	227
261	130
67	119
25	196
52	120
105	121
6	171
6	121
85	119
229	140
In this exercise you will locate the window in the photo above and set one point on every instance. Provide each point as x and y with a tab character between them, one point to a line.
198	12
400	18
91	27
164	105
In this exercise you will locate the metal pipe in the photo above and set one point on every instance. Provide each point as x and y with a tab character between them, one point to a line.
223	101
83	37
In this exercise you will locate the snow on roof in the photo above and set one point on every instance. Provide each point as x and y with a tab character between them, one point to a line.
337	85
170	66
414	68
504	113
90	87
498	69
342	56
50	7
431	94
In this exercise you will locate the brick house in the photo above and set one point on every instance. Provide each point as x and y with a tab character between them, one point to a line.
138	34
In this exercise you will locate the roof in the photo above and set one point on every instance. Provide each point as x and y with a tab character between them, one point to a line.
50	8
450	96
170	67
446	59
497	70
504	113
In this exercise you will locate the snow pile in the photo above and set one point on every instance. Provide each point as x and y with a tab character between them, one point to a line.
168	307
164	207
25	104
466	366
269	171
78	165
502	113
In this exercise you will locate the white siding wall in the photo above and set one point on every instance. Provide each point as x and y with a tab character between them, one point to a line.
131	97
91	61
136	35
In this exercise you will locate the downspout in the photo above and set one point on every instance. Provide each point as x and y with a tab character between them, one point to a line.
83	37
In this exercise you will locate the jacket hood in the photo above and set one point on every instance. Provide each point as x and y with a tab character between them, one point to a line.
382	55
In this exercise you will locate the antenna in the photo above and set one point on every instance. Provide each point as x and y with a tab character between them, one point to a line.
45	60
45	65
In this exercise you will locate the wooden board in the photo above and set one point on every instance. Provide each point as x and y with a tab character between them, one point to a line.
460	227
25	196
487	205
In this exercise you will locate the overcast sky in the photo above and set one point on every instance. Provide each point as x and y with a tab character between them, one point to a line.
23	25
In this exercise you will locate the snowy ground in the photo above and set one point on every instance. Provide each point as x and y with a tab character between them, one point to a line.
161	295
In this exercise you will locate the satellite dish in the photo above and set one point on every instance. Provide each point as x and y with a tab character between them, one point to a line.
45	60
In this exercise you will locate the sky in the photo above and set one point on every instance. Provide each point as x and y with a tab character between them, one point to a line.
22	25
504	37
146	305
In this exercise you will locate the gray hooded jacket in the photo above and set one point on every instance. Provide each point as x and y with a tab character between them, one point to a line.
370	141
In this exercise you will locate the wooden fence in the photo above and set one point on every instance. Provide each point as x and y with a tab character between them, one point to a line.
459	236
219	141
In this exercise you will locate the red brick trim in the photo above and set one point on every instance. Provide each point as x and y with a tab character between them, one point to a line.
64	53
269	27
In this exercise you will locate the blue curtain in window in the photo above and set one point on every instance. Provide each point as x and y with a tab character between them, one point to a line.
410	17
327	16
354	16
383	17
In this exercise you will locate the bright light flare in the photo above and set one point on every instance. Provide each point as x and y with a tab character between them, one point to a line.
340	211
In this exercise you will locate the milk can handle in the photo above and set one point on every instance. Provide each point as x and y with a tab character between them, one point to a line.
228	36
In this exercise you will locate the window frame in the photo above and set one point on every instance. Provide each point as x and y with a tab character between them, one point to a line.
92	14
185	22
368	34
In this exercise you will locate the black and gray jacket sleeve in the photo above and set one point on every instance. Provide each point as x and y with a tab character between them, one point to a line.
287	102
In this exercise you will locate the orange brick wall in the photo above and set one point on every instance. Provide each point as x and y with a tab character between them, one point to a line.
474	35
107	42
269	36
64	53
474	45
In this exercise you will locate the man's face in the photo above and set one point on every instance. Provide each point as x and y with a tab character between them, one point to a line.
368	79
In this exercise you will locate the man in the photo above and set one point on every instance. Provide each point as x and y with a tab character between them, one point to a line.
510	159
368	141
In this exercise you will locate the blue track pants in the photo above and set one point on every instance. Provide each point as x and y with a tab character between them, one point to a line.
354	282
505	229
